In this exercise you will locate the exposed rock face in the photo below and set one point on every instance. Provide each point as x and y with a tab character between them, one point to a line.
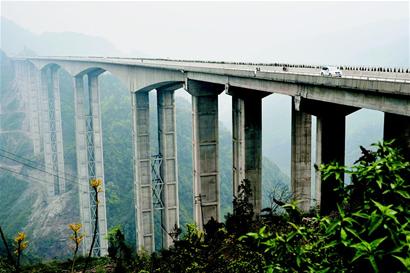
48	222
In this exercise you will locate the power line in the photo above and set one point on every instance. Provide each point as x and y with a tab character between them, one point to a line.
26	175
67	180
25	164
51	184
34	162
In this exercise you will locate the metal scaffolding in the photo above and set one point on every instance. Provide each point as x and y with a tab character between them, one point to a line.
92	175
157	182
53	142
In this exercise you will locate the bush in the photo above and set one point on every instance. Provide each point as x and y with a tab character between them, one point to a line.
370	232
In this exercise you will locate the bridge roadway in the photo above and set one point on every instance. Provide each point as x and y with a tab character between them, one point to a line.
329	99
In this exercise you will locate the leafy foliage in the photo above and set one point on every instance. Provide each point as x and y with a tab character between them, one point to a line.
370	232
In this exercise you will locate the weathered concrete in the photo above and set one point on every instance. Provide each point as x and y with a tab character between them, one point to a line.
52	131
398	128
205	150
142	172
247	142
167	140
301	135
90	163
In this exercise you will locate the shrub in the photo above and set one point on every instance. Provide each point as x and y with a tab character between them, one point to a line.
370	232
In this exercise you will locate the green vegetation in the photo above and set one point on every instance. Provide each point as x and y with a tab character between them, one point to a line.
369	233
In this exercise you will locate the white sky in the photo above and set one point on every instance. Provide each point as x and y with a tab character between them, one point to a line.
259	31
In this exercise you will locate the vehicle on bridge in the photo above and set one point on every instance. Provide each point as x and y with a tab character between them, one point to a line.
331	71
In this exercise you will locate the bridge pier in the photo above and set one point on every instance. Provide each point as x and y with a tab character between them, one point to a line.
167	140
397	127
52	130
32	86
144	210
301	136
90	163
330	147
205	150
247	142
27	79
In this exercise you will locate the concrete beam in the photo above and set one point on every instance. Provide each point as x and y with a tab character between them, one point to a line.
377	95
205	150
301	135
397	127
142	172
167	140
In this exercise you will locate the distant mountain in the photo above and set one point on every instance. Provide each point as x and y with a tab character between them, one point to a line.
15	39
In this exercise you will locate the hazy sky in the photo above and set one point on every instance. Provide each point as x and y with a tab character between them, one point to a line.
319	32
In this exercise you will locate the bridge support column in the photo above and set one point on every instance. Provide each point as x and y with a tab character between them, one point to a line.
330	147
33	79
167	140
301	136
90	163
28	88
397	127
52	131
205	150
142	172
330	144
247	144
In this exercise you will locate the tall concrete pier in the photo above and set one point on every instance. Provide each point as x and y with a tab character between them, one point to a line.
142	168
247	142
205	150
90	164
301	137
167	140
28	92
330	147
52	130
397	127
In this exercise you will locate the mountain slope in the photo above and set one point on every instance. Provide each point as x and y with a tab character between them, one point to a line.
15	39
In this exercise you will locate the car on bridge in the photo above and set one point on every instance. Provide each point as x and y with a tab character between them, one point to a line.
331	71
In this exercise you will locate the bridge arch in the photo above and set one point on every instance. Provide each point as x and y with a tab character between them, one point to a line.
135	78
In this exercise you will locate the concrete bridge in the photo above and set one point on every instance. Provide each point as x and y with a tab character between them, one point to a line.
329	99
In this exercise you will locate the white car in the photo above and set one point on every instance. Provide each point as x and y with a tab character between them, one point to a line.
330	71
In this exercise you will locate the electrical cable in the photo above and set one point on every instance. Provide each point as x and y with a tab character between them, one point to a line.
34	162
